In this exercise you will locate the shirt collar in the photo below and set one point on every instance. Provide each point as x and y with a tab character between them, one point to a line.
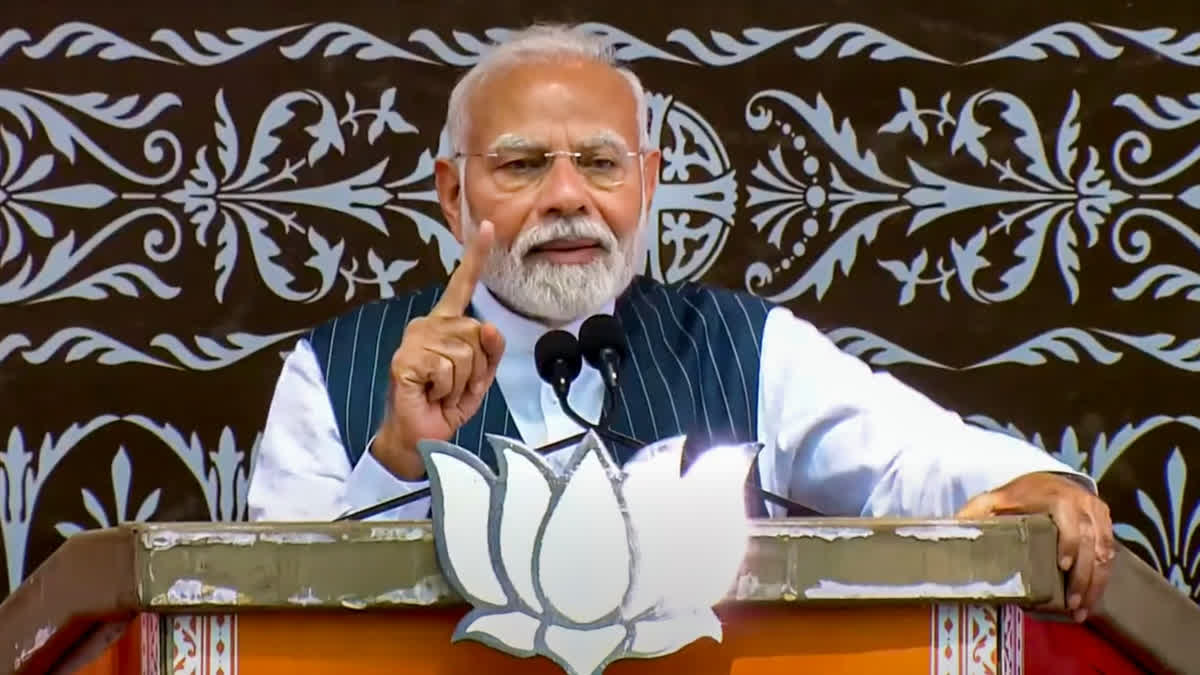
520	333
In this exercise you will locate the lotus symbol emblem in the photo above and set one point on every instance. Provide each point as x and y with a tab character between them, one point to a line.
591	563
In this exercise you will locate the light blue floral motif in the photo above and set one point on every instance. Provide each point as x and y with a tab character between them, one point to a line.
243	200
221	473
1106	450
26	204
120	471
1047	197
695	204
1175	552
19	202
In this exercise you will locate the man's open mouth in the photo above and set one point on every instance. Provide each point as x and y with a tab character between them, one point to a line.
567	245
570	251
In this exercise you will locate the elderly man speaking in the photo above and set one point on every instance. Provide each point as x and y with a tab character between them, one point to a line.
548	189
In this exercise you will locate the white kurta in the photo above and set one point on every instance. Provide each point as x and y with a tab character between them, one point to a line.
837	437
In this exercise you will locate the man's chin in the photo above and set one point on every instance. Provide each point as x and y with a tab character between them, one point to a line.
561	301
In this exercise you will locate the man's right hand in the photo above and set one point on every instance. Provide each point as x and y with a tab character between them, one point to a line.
442	369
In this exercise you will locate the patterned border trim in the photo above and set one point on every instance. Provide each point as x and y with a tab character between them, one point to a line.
1012	635
149	626
964	639
204	645
1069	39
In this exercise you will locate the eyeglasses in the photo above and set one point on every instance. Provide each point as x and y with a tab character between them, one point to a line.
514	170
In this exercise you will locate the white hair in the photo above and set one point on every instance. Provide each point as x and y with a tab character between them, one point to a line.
540	43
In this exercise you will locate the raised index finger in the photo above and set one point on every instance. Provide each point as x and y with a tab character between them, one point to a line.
461	286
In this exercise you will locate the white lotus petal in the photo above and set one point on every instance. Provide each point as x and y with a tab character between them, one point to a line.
514	630
664	636
464	520
581	652
651	491
526	497
584	558
710	544
665	454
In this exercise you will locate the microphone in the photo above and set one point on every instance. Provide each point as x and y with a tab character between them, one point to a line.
558	360
603	343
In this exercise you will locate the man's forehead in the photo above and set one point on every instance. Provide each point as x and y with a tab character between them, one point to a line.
555	103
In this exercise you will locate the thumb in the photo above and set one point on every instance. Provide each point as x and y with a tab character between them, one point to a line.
492	342
981	506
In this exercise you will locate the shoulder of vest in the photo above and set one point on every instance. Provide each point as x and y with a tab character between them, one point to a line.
702	297
331	336
416	302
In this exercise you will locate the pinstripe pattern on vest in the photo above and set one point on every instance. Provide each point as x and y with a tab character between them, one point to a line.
693	367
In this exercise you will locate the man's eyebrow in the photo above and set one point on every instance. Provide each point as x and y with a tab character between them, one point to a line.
513	142
604	139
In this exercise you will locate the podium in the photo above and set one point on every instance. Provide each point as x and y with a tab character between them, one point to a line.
813	596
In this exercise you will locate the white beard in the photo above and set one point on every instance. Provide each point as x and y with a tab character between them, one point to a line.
559	293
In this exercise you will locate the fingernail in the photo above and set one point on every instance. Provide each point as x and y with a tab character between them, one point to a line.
1065	563
1080	615
1073	601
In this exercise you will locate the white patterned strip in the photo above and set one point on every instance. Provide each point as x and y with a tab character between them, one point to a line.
980	640
222	644
337	39
945	629
965	640
187	653
204	644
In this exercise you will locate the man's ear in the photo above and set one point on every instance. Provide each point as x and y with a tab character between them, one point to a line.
652	162
449	192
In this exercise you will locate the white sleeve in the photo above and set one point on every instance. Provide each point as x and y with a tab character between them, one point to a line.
302	471
844	440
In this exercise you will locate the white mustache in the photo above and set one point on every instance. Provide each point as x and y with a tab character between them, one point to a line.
565	228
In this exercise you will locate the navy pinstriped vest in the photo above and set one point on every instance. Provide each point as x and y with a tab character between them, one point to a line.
693	368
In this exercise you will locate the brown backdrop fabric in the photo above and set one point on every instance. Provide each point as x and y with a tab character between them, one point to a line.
997	202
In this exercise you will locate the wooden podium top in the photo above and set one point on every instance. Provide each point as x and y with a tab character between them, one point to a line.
106	575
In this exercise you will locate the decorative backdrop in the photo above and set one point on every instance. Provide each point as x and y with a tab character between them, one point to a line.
997	202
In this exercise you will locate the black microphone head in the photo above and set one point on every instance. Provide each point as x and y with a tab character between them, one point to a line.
600	332
555	347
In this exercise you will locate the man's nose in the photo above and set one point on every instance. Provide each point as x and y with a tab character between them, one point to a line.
563	190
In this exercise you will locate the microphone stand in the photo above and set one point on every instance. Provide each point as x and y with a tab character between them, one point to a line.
601	428
386	505
634	444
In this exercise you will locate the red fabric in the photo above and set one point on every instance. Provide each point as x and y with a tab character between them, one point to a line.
1056	648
